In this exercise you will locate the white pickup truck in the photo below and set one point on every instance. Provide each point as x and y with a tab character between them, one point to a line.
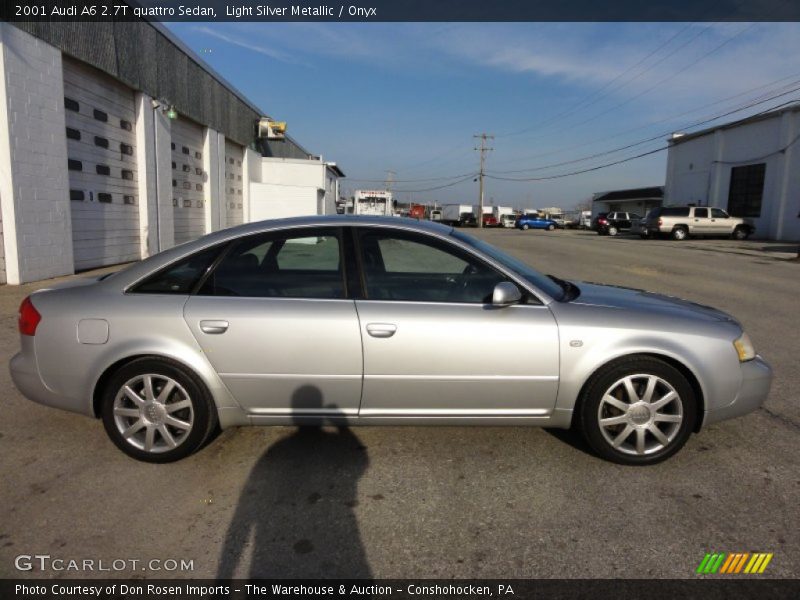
680	222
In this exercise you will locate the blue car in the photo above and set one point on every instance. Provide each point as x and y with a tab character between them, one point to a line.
535	222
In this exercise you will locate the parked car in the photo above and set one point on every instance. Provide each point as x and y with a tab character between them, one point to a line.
526	222
489	221
357	320
680	222
614	223
508	221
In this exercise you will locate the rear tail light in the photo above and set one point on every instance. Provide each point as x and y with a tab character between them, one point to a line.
29	317
660	222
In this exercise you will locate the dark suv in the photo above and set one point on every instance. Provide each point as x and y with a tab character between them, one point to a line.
615	222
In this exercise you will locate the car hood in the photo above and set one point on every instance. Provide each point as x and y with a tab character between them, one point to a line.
648	302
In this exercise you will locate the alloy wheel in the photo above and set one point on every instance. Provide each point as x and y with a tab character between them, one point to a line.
153	413
640	414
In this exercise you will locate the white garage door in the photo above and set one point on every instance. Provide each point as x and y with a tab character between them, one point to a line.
102	167
234	155
188	180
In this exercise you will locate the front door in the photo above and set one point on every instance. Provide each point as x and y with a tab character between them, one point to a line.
435	347
701	223
274	320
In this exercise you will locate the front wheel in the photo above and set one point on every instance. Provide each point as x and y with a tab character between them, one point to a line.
156	411
637	411
740	233
551	227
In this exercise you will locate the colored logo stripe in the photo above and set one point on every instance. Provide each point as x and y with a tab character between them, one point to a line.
734	563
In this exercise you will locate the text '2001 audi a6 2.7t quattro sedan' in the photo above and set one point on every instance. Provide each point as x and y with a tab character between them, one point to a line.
373	321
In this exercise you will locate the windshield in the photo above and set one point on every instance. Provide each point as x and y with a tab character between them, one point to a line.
549	286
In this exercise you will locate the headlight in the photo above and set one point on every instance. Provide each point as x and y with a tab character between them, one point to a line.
744	348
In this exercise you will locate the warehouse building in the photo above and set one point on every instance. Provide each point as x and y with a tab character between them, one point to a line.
750	168
636	200
117	142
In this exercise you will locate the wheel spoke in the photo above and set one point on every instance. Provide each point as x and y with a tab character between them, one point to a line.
162	429
149	438
622	436
133	428
618	404
660	417
632	395
658	434
640	433
663	401
172	421
163	396
133	413
651	386
175	406
618	420
148	388
133	396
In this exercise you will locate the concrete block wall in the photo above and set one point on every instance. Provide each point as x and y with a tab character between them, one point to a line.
34	183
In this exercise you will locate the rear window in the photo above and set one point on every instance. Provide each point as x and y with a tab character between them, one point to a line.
180	277
675	211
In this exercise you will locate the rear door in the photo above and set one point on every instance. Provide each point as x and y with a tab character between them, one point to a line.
701	222
274	320
434	346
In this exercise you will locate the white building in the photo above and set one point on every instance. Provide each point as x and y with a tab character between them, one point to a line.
286	187
750	168
111	156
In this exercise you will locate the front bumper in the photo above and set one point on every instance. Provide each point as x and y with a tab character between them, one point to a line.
754	389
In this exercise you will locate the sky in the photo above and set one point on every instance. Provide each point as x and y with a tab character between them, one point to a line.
558	97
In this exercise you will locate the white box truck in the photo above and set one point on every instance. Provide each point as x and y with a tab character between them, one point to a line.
458	215
373	202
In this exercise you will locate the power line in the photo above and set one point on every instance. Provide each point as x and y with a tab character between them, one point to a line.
440	187
664	120
658	136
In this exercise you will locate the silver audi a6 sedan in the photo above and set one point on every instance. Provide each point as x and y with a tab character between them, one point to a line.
377	321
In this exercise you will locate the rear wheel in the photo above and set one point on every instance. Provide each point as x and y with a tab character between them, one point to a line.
679	233
551	227
637	411
525	227
154	410
612	231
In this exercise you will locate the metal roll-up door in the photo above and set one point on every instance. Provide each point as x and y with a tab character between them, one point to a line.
188	180
100	115
234	155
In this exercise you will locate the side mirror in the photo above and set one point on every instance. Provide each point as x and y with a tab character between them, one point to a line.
505	294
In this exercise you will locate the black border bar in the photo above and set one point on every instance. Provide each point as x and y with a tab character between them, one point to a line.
400	10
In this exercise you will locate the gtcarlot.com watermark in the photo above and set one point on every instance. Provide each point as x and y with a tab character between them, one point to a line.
46	562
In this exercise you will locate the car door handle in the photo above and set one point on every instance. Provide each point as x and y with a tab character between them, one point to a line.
213	326
381	330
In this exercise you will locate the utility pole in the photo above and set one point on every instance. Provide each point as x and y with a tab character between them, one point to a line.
389	179
483	149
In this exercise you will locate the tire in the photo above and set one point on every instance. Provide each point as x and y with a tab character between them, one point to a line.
525	228
157	430
679	234
612	231
551	227
644	236
740	233
678	413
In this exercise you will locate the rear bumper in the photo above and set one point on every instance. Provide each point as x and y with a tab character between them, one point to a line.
754	389
26	378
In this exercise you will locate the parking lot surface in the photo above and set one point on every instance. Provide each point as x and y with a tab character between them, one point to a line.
434	501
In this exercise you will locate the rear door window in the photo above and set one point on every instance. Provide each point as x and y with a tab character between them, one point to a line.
700	213
298	264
